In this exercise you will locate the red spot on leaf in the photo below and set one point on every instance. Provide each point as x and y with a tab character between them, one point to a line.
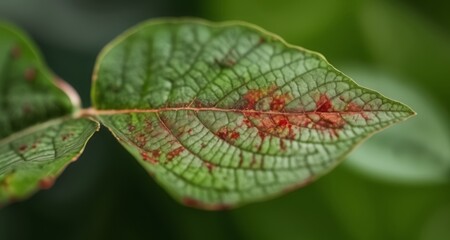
66	136
355	108
330	120
247	122
148	125
252	96
141	139
23	148
234	135
46	183
227	134
282	121
15	52
153	158
278	102
261	40
262	135
131	128
210	166
198	104
156	153
30	74
174	153
324	104
191	202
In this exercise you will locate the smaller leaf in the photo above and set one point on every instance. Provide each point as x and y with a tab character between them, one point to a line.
29	93
38	135
34	158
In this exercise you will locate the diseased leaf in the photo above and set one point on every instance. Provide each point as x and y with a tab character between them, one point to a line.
226	114
28	94
38	136
34	158
414	153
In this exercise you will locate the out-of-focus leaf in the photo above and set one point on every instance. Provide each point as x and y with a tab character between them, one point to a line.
80	25
28	92
38	136
328	26
226	114
415	152
436	227
371	210
403	42
34	158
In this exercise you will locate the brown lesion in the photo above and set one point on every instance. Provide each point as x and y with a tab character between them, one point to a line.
287	125
226	62
253	96
357	109
151	157
141	139
30	74
228	134
23	148
210	166
15	52
66	136
324	104
175	153
46	183
192	202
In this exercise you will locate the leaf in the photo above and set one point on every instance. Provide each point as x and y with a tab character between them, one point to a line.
28	92
414	153
38	136
226	114
34	158
388	34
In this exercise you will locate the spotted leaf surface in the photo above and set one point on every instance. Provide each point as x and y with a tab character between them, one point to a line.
38	135
34	158
226	114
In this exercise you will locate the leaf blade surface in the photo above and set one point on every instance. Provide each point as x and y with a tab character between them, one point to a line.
225	114
39	133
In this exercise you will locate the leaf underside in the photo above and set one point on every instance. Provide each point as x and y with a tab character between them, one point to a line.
38	136
226	114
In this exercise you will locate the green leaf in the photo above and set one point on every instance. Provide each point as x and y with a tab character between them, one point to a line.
28	94
34	158
414	153
226	114
38	135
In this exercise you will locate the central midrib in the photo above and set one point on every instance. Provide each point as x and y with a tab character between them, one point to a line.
94	111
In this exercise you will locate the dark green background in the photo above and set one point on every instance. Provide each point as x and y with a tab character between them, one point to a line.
107	195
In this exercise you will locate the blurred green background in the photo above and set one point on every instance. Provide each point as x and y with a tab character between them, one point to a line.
396	186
